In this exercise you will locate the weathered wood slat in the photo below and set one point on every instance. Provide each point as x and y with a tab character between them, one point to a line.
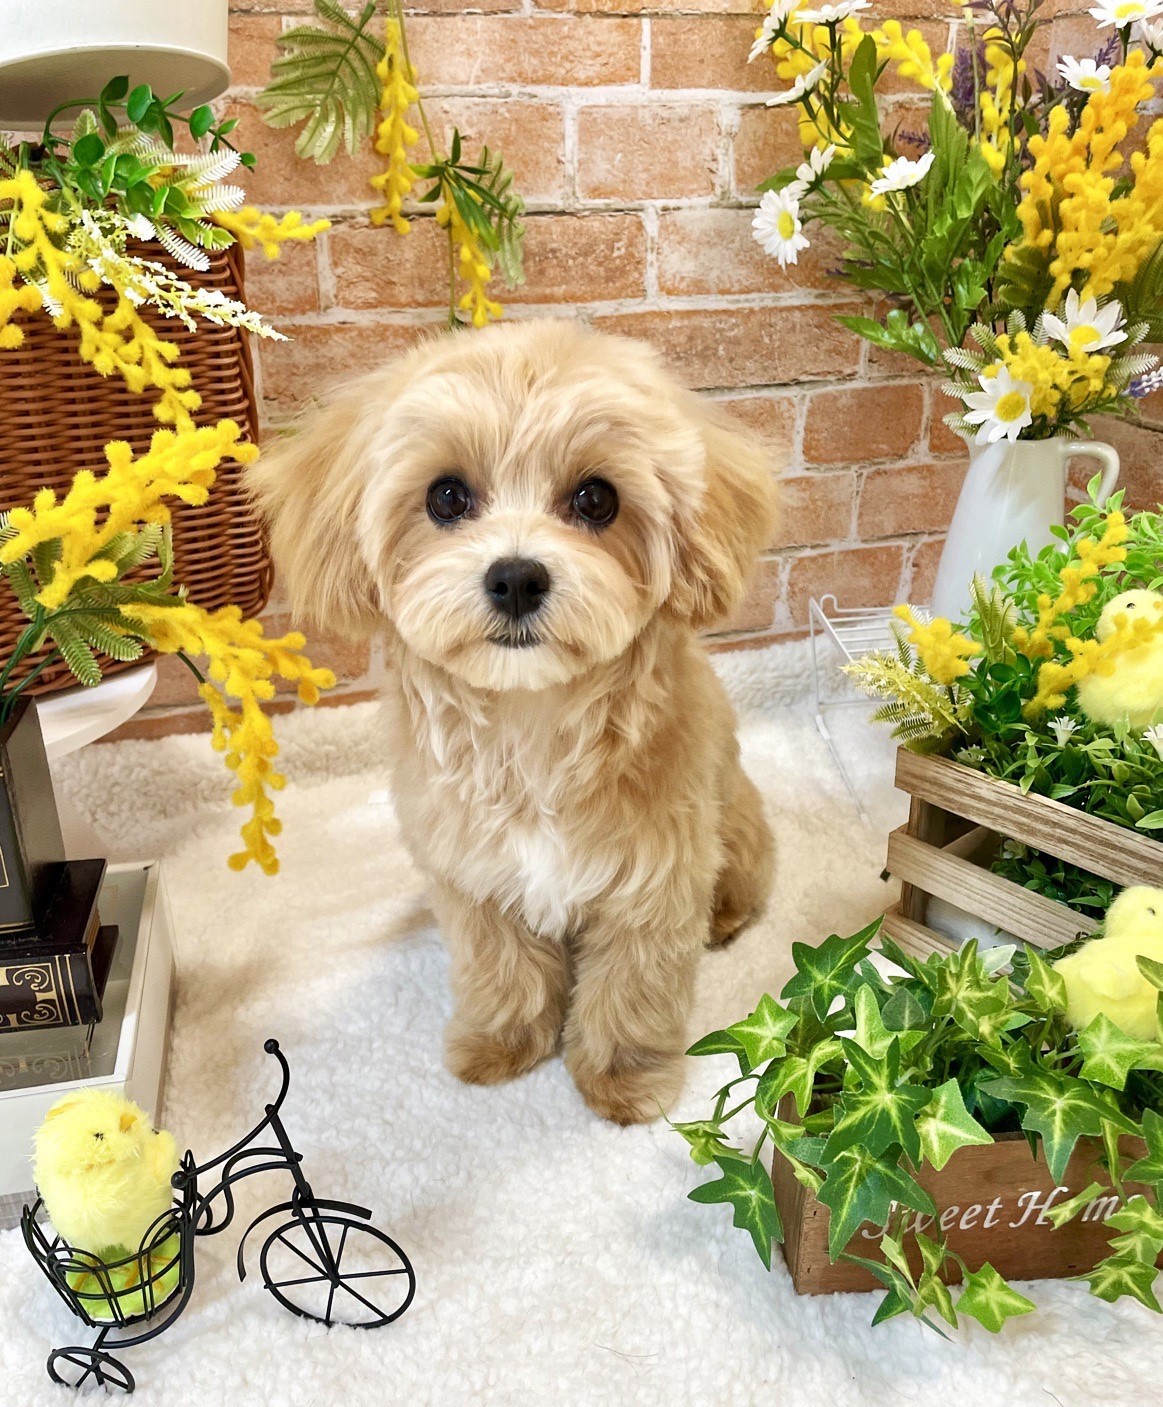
914	937
1114	852
1029	916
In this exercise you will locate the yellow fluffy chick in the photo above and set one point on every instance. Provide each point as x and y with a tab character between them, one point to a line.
103	1171
1134	690
1103	977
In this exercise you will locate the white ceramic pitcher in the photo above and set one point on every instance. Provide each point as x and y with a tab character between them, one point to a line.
1012	493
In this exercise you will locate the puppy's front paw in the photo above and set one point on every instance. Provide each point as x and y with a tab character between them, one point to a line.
484	1058
634	1089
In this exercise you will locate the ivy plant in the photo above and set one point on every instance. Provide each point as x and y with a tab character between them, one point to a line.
859	1080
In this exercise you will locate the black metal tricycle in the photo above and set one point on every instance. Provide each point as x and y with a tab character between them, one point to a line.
321	1260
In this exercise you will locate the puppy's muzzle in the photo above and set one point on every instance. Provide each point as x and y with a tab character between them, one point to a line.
516	587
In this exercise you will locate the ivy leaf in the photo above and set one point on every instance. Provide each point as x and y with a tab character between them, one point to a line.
763	1034
881	1112
988	1299
1149	1169
860	1187
904	1011
794	1075
1060	1108
721	1043
748	1189
706	1141
1110	1054
932	1292
944	1125
1142	1230
1152	970
826	972
1062	1212
1117	1276
871	1033
974	1000
1045	986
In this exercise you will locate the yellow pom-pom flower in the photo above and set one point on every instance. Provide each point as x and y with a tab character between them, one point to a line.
255	228
944	653
394	135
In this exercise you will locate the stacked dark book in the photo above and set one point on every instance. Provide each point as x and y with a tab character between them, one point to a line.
55	954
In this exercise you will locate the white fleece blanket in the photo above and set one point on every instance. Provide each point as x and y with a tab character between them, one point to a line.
557	1257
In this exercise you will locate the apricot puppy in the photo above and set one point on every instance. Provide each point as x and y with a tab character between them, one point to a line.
539	519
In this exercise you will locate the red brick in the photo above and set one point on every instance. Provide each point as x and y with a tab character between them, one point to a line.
568	258
942	440
757	609
285	286
176	685
814	509
475	50
922	573
773	418
653	7
859	576
251	49
707	51
1140	449
283	179
745	346
530	135
320	355
909	498
859	423
767	141
711	250
646	152
935	34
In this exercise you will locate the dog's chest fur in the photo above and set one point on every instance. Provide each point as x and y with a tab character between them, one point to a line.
497	799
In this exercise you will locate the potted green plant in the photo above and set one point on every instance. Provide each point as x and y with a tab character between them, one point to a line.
897	1098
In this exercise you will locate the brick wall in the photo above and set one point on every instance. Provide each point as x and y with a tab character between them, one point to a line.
637	132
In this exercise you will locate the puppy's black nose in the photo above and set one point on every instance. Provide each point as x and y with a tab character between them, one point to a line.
516	586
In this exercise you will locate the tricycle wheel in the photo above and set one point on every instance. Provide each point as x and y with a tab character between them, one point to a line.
336	1269
80	1367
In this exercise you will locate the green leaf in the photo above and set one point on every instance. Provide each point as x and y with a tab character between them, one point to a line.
748	1189
1149	1169
88	150
988	1299
794	1075
139	103
881	1112
866	141
1061	1109
871	1033
944	1125
1110	1054
719	1043
1142	1230
115	89
932	1292
1153	821
1044	985
904	1011
763	1034
200	120
1063	1212
1151	970
706	1142
826	972
1117	1276
977	1002
860	1187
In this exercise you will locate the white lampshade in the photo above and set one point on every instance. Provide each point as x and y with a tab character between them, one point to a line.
54	50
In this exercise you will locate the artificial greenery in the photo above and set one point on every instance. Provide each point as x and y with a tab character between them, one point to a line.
333	78
1054	878
860	1080
1000	697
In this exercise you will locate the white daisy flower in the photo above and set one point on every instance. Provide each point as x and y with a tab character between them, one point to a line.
804	83
1001	408
1085	327
1154	736
777	225
1085	75
775	19
1063	729
1123	13
902	173
1152	35
833	14
809	172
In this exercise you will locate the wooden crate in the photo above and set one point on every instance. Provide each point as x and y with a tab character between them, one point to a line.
990	1203
955	821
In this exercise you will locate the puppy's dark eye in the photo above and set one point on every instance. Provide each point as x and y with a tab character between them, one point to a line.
448	500
596	502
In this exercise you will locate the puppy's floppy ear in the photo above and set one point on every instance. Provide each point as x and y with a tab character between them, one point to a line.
308	488
720	540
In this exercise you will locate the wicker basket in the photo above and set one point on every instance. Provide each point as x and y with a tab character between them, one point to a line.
58	414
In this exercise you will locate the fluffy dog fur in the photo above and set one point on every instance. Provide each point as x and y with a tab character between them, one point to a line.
579	803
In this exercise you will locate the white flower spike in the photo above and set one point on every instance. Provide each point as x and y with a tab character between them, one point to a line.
1154	736
777	226
1124	13
1001	409
902	173
1085	75
833	14
1063	729
809	172
1152	35
775	19
804	83
1084	327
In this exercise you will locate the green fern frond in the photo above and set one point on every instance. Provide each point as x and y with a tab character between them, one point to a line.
326	79
920	711
98	633
45	556
984	338
964	359
507	210
997	614
23	586
136	548
76	653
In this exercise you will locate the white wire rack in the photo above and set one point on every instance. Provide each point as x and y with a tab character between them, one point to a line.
839	635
